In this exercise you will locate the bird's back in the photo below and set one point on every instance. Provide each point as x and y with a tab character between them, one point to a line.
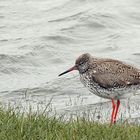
110	75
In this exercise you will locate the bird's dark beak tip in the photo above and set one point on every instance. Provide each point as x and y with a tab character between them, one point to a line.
71	69
59	75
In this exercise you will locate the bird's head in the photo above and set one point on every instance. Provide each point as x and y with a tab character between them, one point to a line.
81	64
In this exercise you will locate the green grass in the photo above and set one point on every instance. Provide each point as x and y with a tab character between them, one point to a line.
33	126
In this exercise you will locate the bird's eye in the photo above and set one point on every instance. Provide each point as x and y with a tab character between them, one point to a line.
81	63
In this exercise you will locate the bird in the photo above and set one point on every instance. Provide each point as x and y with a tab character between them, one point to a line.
107	78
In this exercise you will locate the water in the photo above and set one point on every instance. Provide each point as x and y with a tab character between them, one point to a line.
40	39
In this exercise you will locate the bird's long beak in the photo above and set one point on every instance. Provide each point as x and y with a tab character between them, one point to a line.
71	69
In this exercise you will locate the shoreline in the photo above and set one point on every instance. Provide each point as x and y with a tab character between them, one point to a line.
18	126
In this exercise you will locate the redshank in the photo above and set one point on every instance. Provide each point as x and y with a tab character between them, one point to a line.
107	78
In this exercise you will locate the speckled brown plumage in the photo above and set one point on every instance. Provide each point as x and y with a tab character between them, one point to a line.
108	73
107	78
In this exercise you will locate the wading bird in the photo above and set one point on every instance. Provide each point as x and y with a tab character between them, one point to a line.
107	78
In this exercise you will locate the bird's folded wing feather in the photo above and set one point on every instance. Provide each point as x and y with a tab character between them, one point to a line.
111	73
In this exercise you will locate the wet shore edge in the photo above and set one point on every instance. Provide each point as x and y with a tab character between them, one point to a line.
34	125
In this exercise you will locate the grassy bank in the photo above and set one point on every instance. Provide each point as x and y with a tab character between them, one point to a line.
14	126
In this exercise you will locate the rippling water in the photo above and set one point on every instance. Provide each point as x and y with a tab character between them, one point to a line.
40	39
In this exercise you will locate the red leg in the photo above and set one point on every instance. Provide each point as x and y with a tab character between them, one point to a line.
113	111
117	107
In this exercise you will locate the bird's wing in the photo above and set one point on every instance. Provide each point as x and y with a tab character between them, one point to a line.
111	73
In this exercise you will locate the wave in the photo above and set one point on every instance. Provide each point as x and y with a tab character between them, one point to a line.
59	38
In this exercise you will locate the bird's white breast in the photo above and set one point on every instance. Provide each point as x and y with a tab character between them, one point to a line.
112	93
